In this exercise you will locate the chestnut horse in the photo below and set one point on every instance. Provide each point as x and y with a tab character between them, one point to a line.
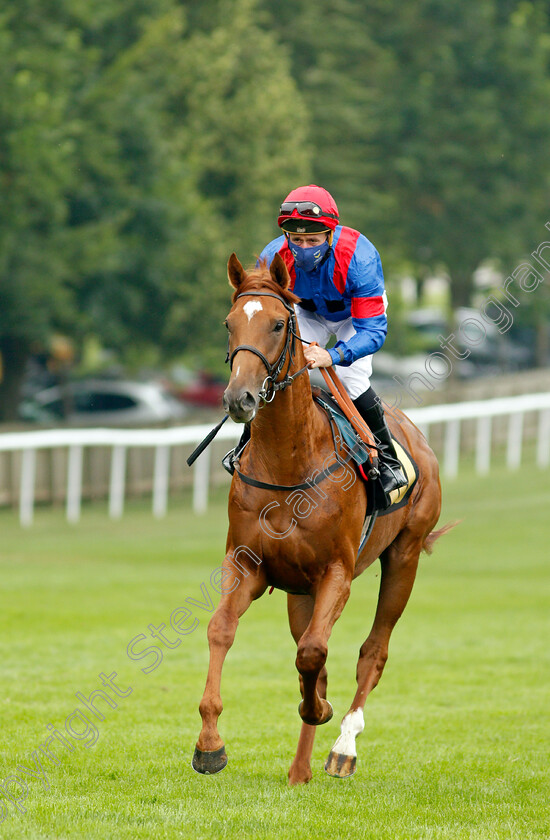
310	552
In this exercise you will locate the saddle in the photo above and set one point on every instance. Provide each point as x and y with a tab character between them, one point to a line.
363	455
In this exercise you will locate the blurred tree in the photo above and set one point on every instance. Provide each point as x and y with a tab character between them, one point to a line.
134	157
36	169
431	123
241	128
79	158
342	73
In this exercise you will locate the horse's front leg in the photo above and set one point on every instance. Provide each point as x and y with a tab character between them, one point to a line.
300	610
331	596
210	756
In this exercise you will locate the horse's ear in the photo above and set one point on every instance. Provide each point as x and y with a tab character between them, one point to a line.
235	272
279	271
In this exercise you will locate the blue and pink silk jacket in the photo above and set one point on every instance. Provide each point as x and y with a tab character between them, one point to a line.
349	283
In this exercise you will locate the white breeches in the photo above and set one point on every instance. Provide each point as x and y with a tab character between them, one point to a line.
313	327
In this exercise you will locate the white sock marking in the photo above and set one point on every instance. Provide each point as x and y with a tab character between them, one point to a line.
352	726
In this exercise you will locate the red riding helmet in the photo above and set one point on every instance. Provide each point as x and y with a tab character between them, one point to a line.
308	209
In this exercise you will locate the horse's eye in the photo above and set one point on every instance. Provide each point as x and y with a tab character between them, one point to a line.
278	326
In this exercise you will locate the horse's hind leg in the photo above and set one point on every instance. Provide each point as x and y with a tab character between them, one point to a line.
300	610
210	756
399	563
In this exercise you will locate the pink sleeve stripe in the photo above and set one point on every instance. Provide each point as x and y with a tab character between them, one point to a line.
362	307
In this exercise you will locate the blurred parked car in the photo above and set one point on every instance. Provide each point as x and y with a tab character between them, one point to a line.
98	402
495	353
206	390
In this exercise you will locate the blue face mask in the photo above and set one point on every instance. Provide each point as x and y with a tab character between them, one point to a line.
308	258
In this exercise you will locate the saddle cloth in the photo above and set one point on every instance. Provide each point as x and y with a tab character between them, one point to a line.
352	443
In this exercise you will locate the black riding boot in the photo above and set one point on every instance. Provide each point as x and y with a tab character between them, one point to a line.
391	472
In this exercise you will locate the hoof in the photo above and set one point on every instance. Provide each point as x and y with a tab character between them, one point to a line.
209	763
324	719
340	766
296	777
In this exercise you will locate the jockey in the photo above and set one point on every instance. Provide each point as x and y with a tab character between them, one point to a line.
337	273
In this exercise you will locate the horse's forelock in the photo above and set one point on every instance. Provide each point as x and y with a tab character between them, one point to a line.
259	279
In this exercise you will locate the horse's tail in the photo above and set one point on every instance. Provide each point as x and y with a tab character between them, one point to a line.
428	543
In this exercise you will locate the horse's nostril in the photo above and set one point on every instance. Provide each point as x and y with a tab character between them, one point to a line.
247	401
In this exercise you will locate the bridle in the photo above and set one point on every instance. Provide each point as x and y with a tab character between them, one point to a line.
267	393
270	385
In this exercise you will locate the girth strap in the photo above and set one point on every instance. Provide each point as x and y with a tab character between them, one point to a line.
306	485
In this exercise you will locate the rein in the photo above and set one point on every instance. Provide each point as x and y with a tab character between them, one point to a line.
273	370
269	388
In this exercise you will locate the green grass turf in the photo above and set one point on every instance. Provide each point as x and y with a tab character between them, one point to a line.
456	736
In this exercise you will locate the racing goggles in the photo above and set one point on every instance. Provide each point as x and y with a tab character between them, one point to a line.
309	209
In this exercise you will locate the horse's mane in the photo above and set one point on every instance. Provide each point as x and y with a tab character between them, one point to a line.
258	279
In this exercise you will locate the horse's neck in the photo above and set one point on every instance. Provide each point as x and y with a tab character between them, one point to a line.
286	433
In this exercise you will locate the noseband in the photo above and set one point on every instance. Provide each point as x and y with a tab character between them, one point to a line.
270	386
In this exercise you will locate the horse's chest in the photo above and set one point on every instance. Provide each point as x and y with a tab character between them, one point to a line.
297	562
296	536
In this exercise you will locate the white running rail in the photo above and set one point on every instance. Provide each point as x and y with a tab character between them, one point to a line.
162	440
